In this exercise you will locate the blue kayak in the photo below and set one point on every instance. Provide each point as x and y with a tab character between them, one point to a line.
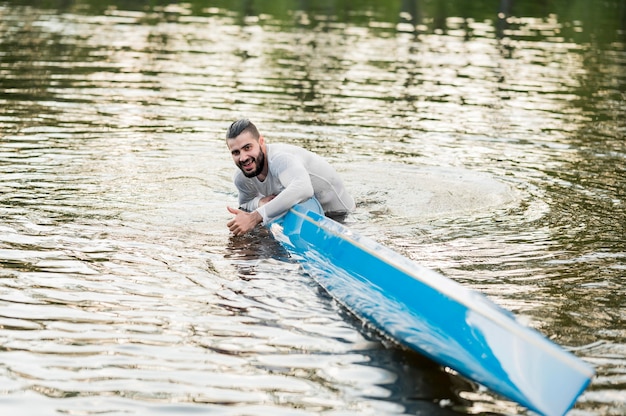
433	315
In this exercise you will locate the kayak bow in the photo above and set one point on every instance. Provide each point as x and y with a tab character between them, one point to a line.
433	315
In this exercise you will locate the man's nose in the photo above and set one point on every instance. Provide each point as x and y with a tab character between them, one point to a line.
243	155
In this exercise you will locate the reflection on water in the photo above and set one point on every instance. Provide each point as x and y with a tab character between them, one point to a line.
484	141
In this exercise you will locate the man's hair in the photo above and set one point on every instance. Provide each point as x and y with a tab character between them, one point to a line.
240	126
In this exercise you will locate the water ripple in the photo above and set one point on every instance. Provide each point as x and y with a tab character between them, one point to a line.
486	147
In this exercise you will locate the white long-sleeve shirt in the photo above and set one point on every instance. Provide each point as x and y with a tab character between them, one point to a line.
295	174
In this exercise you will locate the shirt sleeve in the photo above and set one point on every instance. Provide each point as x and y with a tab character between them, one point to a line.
295	179
248	196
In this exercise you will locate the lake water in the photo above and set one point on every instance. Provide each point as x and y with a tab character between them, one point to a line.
484	141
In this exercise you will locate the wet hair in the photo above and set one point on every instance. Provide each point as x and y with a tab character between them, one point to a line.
240	126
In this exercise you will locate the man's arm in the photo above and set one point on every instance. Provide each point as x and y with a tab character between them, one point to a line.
296	181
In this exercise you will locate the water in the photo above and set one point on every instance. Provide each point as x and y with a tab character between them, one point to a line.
490	149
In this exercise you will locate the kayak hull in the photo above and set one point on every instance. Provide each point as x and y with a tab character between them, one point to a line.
433	315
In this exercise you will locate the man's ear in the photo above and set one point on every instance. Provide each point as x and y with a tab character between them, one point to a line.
262	142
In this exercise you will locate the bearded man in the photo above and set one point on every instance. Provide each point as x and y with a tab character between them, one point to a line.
274	177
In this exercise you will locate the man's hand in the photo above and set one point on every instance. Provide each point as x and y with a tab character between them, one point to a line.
243	221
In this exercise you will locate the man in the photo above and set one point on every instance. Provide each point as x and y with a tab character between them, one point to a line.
274	177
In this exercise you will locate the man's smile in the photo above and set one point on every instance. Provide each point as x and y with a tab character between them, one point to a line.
248	164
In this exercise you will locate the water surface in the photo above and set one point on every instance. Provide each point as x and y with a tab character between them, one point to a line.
483	142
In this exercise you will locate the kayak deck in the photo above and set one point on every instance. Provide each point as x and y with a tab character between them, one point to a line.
433	315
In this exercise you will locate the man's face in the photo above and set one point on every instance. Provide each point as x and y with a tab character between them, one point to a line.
247	153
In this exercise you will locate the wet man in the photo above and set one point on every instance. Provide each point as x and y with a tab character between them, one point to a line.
274	177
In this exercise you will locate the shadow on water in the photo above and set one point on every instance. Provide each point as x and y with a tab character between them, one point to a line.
422	386
255	245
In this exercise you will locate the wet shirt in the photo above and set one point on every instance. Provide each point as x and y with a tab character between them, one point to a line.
295	174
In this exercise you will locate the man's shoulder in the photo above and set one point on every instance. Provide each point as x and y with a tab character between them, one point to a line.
281	147
284	149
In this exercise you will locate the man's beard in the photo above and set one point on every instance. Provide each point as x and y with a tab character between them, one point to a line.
260	162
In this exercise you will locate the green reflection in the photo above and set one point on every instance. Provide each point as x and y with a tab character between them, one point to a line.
580	20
